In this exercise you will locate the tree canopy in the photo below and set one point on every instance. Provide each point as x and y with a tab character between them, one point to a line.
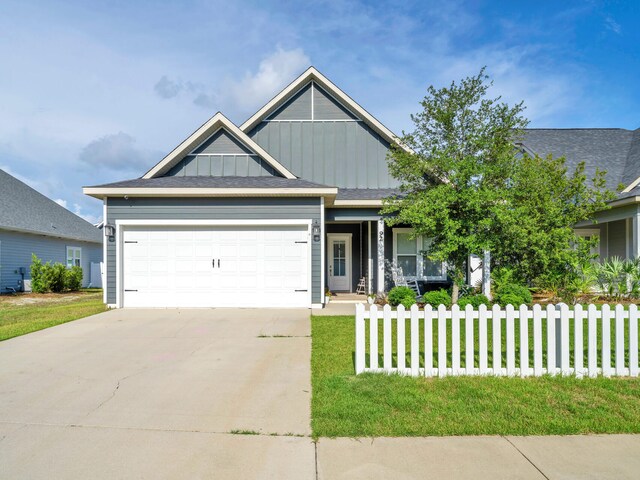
467	185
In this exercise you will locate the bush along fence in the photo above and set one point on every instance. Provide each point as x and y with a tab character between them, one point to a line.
499	341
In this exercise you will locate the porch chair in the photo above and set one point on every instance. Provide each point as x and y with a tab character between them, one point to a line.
401	281
361	289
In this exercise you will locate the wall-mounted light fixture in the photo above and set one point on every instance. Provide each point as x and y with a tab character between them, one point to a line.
109	230
315	229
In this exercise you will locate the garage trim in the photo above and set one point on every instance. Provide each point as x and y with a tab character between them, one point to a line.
122	224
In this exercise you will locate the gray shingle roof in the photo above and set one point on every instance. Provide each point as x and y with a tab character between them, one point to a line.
212	182
365	193
24	209
615	150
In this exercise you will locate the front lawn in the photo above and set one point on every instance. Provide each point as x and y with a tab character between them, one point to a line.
21	314
383	405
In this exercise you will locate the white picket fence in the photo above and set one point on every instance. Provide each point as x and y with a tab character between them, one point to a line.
577	341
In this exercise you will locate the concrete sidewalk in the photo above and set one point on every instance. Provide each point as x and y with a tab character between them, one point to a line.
571	457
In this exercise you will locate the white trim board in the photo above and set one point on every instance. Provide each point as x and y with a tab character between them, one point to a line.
101	192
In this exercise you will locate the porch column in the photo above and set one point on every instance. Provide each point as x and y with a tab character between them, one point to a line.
380	256
369	261
635	235
486	274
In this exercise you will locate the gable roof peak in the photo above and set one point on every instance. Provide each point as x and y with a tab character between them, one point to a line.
312	74
210	127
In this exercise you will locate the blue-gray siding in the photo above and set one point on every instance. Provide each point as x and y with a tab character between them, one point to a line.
325	107
222	166
222	142
16	249
297	108
213	209
338	153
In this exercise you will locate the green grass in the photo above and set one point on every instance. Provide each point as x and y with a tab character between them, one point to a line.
392	405
16	320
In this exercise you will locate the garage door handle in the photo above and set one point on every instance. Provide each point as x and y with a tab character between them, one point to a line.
130	290
213	263
218	263
305	290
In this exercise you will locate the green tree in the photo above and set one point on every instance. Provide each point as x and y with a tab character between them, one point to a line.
455	174
537	236
466	184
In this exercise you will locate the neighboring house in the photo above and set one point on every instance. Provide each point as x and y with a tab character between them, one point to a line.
615	150
32	223
270	213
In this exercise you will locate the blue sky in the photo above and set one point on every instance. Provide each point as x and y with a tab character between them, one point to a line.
92	92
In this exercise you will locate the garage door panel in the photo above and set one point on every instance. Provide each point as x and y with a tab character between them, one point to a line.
259	266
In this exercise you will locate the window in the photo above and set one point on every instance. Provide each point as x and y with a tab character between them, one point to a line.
74	257
408	254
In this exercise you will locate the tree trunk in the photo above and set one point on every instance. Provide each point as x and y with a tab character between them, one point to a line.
455	292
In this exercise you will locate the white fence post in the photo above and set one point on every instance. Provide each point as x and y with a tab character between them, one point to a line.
497	340
537	340
620	340
360	345
468	340
564	339
401	337
592	339
511	351
386	339
373	337
524	341
606	340
455	340
428	340
551	339
633	340
415	341
442	341
578	341
482	340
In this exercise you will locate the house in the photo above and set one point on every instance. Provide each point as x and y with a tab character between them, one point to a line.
269	213
615	150
32	223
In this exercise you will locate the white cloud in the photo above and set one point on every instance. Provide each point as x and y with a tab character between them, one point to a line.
274	72
117	151
612	25
61	202
167	88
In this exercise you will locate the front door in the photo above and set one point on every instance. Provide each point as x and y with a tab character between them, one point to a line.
339	256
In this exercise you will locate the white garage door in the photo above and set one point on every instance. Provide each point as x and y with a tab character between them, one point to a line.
216	266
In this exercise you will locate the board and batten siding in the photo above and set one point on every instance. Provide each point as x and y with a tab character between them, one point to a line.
222	166
16	249
345	154
213	209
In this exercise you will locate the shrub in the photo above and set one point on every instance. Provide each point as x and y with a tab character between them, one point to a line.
437	297
513	294
55	277
73	279
37	282
474	300
402	296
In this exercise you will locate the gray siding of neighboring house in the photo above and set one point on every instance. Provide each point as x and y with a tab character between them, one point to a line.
222	166
617	241
213	209
221	142
16	249
345	154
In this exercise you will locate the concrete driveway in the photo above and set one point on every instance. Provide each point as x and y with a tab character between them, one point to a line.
159	394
